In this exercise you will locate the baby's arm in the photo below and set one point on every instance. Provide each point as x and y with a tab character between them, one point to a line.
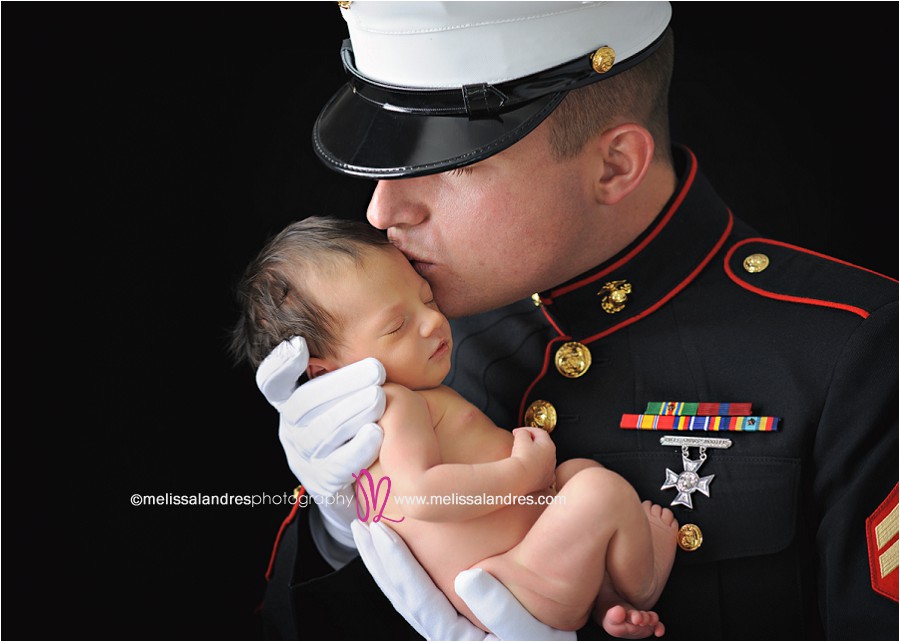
411	457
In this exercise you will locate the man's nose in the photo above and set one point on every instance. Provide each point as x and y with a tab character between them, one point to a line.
394	204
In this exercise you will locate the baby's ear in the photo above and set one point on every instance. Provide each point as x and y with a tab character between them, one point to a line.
318	367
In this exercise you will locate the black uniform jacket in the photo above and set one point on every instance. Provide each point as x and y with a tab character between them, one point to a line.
802	337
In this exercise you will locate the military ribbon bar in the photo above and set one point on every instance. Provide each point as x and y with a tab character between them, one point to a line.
680	408
700	423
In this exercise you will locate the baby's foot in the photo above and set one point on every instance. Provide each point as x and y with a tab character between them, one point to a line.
663	528
623	621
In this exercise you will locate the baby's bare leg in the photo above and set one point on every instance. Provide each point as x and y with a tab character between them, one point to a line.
619	617
568	468
557	569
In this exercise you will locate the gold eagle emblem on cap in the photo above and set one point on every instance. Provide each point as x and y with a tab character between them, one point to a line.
602	60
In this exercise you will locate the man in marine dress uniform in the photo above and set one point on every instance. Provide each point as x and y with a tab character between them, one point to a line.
749	384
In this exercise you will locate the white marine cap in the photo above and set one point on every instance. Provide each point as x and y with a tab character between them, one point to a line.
438	85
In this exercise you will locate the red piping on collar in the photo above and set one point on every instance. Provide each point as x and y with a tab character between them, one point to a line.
678	288
796	299
553	323
692	173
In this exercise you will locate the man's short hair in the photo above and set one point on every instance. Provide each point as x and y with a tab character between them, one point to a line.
639	94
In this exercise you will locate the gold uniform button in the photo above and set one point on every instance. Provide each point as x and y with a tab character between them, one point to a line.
690	537
602	60
541	414
756	263
573	359
614	296
536	299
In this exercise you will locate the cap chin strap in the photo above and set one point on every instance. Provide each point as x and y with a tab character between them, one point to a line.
483	100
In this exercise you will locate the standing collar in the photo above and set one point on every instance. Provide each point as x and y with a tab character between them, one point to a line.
683	238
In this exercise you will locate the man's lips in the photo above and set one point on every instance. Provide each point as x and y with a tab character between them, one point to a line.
411	256
418	262
425	270
420	265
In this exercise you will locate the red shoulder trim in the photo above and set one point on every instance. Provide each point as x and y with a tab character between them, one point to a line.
787	297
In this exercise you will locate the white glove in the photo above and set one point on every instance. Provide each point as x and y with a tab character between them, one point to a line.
416	597
326	426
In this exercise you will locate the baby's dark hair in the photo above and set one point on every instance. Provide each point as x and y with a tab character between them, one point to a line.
274	294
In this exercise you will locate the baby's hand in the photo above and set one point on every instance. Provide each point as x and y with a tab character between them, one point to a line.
537	452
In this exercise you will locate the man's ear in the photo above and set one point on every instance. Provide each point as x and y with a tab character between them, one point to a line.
317	367
627	152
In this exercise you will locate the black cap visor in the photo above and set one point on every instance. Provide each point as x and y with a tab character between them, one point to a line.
358	137
375	130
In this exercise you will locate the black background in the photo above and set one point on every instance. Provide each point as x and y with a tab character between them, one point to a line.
150	149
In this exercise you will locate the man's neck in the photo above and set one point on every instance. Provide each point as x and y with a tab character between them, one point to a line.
620	224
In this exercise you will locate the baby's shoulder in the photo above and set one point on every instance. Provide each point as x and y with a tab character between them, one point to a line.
450	410
398	397
392	390
401	400
442	395
441	401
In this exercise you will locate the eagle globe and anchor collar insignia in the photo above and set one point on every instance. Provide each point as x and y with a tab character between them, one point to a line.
614	296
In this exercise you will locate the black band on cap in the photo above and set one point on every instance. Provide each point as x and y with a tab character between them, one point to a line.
483	100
